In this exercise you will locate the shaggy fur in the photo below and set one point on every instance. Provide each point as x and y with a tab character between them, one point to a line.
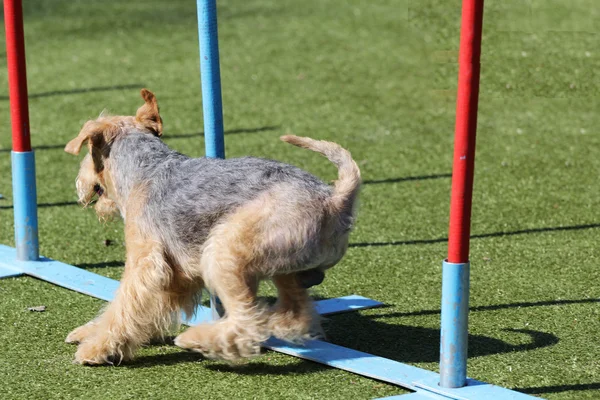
194	223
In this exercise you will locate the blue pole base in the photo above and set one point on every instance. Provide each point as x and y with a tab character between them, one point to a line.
454	325
25	205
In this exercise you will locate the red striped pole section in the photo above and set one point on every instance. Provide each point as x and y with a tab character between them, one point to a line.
17	76
466	126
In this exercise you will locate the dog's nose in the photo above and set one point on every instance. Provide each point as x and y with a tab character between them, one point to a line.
98	189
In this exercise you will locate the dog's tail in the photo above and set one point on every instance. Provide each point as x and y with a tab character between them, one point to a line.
348	183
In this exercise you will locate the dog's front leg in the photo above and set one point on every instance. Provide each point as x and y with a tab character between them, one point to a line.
142	308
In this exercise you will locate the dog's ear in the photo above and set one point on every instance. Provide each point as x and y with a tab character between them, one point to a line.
97	132
148	114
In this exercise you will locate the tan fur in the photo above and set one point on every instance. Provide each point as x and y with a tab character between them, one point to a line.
252	243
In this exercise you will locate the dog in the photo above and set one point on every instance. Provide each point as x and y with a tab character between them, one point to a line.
195	223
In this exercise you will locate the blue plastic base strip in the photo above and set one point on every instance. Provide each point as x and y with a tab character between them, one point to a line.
323	307
60	274
416	396
8	272
98	286
355	361
344	304
474	390
424	382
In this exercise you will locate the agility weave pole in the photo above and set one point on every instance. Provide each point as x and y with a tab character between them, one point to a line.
23	160
426	384
456	268
212	104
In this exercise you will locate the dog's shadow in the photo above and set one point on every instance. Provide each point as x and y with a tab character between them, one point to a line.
416	344
370	334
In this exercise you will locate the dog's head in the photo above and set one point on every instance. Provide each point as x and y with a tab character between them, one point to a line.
94	179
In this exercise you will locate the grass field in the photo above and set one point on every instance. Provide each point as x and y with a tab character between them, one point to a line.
378	77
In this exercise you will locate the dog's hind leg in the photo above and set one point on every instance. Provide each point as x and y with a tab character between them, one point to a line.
242	329
228	265
293	317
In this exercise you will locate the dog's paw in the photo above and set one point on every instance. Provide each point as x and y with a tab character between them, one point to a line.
78	335
101	351
91	353
220	341
294	328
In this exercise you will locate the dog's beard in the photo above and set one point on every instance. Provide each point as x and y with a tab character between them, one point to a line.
85	191
106	209
90	192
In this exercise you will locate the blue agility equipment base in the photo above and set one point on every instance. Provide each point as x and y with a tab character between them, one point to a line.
454	325
451	384
423	382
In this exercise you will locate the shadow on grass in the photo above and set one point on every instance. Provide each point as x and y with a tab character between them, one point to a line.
493	307
79	91
406	178
415	344
165	137
558	388
106	264
479	236
368	333
44	205
183	357
261	368
406	344
254	368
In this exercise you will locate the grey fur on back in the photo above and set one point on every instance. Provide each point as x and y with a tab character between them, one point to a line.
188	196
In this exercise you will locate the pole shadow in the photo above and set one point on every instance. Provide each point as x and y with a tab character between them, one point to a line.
493	307
406	179
415	344
44	205
558	388
479	236
107	264
165	137
79	91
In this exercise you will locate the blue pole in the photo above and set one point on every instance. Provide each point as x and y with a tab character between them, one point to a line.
211	79
212	106
455	313
25	205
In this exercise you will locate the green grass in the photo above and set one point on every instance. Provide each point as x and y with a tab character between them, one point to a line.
378	77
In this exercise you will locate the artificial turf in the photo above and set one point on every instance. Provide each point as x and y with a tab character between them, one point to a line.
378	77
